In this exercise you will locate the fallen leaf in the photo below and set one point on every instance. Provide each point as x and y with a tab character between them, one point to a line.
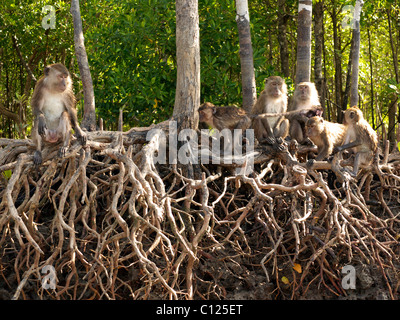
297	267
285	280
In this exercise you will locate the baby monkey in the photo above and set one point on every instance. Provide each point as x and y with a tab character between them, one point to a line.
53	107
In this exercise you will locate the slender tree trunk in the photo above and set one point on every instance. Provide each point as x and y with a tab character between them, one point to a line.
394	106
319	44
187	97
246	54
89	113
371	80
347	87
303	67
338	64
282	37
355	54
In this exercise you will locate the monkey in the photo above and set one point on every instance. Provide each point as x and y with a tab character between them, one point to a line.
360	137
272	100
305	97
325	135
53	108
229	117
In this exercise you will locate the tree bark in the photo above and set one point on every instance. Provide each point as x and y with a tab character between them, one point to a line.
355	54
371	79
187	96
338	64
319	44
347	86
89	113
303	67
282	37
246	55
394	106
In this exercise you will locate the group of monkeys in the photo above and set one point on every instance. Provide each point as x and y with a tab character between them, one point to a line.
272	123
53	105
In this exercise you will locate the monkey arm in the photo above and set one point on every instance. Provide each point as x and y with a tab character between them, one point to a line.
347	146
41	127
300	117
74	123
244	123
324	153
270	139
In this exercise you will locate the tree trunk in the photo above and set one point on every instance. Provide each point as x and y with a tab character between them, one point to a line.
187	97
347	86
89	112
338	65
303	67
355	54
371	80
246	55
319	44
282	37
395	105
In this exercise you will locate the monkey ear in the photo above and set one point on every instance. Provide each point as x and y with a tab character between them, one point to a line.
46	71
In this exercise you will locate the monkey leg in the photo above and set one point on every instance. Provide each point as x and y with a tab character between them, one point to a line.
37	156
80	134
259	130
37	140
268	133
281	130
296	131
64	130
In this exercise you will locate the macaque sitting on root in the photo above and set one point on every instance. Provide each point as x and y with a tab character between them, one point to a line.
360	138
305	98
273	99
53	106
325	135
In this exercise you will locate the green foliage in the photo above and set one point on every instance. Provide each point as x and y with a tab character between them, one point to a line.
133	59
131	50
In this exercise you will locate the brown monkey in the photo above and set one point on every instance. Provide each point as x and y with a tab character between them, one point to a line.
325	135
229	117
360	137
273	100
305	97
53	107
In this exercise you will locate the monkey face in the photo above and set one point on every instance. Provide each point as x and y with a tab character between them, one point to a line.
314	126
275	86
206	112
304	91
352	115
57	77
